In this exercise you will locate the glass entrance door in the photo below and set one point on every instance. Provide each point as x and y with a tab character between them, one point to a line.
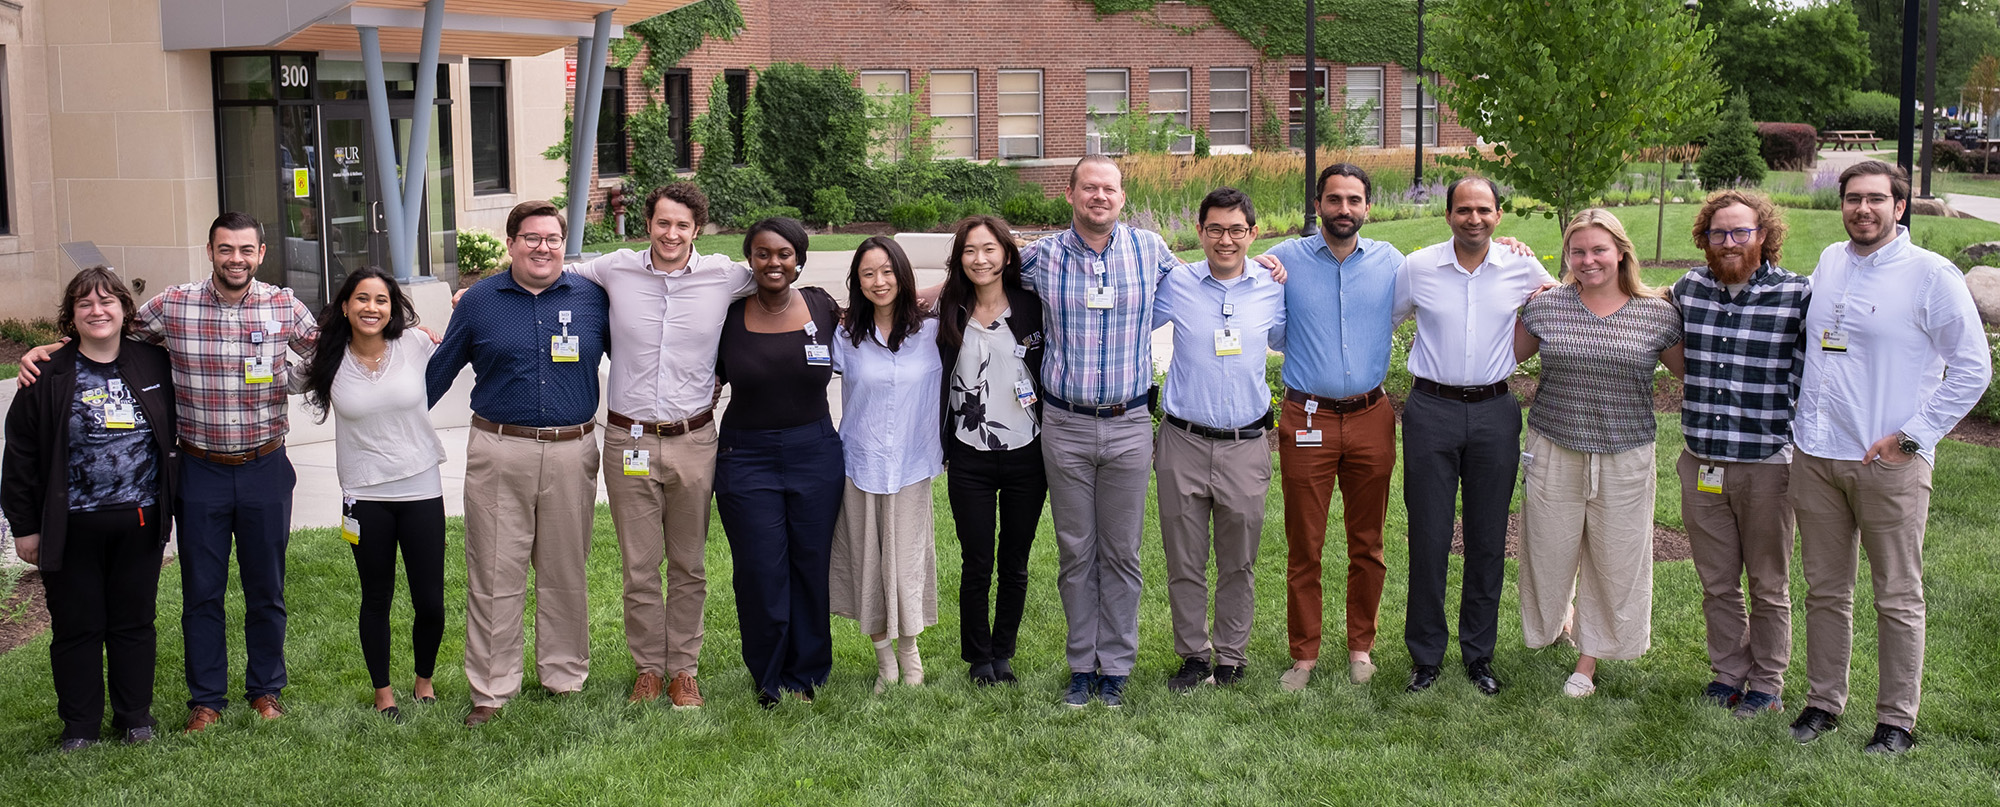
357	223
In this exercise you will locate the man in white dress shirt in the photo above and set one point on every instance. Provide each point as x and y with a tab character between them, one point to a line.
1461	427
1895	356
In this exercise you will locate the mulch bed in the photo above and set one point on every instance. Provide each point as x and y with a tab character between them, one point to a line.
34	617
12	351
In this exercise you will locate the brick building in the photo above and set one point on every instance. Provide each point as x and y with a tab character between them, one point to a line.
1017	81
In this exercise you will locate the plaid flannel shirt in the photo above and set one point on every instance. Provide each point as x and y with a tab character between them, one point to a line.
1744	358
1097	356
208	340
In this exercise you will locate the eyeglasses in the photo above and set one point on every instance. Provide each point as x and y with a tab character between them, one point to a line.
1232	233
1738	236
1858	199
535	240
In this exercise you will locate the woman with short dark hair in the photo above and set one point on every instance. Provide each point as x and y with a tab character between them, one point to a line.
88	484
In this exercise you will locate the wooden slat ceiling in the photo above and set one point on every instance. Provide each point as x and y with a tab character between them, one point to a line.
469	43
630	12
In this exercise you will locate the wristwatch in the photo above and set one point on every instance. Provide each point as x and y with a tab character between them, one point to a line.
1908	445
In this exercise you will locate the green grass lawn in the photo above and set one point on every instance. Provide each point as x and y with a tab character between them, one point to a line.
1644	739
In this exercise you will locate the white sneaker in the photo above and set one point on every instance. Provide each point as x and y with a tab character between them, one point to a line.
1579	686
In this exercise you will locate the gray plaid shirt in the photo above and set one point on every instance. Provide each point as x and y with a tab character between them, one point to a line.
1744	357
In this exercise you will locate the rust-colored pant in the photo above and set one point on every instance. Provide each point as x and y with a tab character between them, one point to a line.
1357	451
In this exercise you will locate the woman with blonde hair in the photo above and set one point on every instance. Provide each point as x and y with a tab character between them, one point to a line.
1587	459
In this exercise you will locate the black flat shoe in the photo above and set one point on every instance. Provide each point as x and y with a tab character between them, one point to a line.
1003	672
1480	673
1422	678
394	714
982	675
427	699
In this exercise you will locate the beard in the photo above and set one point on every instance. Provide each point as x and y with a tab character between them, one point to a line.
1731	272
1342	228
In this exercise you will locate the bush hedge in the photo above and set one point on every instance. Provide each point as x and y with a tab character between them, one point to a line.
1788	146
744	221
1873	111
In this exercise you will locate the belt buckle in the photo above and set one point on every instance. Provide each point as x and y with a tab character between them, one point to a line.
540	429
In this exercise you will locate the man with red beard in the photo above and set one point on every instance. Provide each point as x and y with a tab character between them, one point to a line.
1742	317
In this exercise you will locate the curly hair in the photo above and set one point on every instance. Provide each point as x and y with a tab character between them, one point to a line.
90	282
1770	222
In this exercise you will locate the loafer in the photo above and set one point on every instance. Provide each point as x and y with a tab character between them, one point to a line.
142	734
1579	686
1080	687
75	744
267	707
982	675
1295	679
1722	695
1111	690
1360	671
1480	673
1193	673
1422	677
1814	723
1890	740
427	700
394	714
1003	672
480	715
647	688
201	717
1228	674
1755	703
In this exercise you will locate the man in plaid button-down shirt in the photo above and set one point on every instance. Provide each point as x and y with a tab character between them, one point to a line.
1742	316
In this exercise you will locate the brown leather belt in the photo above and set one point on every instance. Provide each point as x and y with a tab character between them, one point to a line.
539	434
1338	406
1485	392
674	429
231	457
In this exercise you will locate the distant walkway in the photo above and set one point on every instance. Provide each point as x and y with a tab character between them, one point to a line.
1839	160
1984	207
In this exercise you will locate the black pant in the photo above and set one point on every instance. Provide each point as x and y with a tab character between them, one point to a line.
417	527
1445	441
101	609
778	493
1017	483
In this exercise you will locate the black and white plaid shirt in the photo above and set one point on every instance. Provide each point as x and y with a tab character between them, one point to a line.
1744	357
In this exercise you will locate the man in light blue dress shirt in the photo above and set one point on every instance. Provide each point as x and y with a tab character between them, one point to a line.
1210	457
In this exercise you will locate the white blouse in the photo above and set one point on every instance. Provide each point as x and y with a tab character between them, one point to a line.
889	420
986	414
385	447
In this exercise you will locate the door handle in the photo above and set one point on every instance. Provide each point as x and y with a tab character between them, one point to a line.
374	218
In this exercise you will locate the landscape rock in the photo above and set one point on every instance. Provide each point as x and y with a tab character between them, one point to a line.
1979	253
1984	282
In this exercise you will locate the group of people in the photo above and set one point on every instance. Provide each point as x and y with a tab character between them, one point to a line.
1028	374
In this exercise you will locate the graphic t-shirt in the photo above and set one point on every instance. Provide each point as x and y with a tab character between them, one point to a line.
111	464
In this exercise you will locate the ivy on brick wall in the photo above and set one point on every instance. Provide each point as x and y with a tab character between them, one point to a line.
1350	31
670	36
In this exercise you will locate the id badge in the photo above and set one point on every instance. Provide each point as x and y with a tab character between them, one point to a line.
564	348
119	415
257	370
1025	393
819	356
350	527
1020	351
1228	342
1708	478
638	462
1833	341
1097	297
1306	438
1527	464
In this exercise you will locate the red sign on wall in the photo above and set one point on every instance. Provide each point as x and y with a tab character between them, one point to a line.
569	74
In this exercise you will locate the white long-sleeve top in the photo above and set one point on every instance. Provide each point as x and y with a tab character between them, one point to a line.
1916	360
889	413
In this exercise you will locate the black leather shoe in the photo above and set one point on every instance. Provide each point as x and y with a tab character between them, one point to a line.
1890	740
1814	723
1480	673
1003	672
1422	678
982	675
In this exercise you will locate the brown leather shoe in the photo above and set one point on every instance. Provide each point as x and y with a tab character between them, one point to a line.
267	707
479	716
647	688
202	717
683	692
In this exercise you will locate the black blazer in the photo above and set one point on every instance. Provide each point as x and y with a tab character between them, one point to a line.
34	473
1024	320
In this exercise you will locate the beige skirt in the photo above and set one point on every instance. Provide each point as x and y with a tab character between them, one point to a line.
883	573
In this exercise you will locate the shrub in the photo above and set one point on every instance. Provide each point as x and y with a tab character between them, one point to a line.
1022	208
654	151
1056	211
735	192
914	216
1874	111
832	207
1989	402
1731	156
1787	146
1201	143
479	252
744	221
820	139
602	231
1948	155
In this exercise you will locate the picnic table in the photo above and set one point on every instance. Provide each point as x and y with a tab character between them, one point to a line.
1849	138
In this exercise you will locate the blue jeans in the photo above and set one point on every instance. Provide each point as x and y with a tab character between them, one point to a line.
778	493
251	502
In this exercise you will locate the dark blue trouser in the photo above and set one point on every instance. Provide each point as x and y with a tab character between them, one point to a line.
1448	447
253	503
778	492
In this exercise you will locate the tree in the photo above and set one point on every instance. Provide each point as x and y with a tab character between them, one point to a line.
1982	87
1731	157
1564	89
1966	30
818	136
1797	63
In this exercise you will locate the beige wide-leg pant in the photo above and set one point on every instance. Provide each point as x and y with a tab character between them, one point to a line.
1587	536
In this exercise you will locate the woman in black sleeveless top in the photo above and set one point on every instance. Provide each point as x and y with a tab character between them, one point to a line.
778	465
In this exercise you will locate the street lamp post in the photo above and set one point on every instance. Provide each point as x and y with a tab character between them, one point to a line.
1693	8
1417	173
1311	104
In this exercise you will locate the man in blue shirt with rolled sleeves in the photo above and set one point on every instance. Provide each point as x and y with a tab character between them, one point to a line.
1210	458
534	337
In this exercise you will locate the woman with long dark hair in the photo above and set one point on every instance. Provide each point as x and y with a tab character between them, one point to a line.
88	485
368	371
990	345
778	465
884	569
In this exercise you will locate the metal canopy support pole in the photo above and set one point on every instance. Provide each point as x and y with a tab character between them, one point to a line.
590	56
416	166
385	150
1906	115
1312	125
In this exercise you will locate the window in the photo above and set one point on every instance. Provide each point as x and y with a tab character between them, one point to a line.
1106	94
1296	109
487	109
611	125
955	107
1410	113
882	86
1020	113
1167	99
1229	107
739	105
1364	86
679	110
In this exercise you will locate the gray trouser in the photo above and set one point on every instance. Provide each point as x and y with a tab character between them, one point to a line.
1098	470
1743	532
1200	478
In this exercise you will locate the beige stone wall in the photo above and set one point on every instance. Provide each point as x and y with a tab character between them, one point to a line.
536	100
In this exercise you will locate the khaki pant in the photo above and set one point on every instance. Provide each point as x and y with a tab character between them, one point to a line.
1844	506
1587	536
1744	531
662	516
526	503
1225	480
